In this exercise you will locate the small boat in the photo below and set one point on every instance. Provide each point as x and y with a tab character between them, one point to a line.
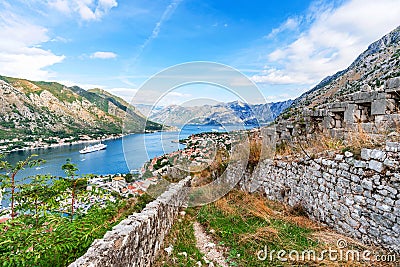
135	171
94	148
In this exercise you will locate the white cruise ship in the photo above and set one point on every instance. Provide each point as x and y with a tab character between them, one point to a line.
94	148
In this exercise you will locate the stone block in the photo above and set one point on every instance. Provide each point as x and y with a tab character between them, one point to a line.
383	207
359	164
355	178
349	114
367	184
348	154
375	165
366	154
378	107
391	190
390	163
392	146
357	189
378	154
344	166
393	85
339	157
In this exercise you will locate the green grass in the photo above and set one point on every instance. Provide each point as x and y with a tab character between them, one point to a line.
182	238
241	234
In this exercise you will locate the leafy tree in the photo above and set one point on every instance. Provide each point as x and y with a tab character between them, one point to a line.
8	180
70	170
129	178
36	196
147	174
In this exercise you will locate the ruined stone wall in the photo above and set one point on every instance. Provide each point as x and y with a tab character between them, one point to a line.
373	112
136	240
357	197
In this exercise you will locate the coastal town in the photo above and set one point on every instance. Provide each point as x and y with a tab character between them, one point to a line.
31	142
199	152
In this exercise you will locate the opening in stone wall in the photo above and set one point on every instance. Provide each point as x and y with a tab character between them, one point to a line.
363	113
338	119
316	124
394	102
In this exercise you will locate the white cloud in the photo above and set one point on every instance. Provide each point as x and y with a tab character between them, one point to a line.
165	16
150	96
156	30
278	98
20	51
274	76
335	37
103	55
61	5
87	9
125	93
85	86
290	24
174	98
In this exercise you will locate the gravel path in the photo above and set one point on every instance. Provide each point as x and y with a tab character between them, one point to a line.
213	253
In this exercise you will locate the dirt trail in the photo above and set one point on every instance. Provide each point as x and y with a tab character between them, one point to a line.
205	244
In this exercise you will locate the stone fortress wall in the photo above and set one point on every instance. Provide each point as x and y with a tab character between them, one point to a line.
373	112
357	197
136	240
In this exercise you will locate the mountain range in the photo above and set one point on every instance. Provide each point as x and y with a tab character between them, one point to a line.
41	109
230	113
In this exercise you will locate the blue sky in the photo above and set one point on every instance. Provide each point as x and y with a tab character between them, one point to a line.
284	46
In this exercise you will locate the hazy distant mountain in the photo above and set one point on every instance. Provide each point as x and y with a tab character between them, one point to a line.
49	108
224	113
147	109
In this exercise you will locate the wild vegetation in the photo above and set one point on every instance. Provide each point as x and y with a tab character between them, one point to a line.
245	224
324	142
42	231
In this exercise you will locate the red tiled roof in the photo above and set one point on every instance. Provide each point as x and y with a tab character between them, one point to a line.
2	220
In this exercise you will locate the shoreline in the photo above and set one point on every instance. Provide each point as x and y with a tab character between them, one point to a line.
66	144
89	141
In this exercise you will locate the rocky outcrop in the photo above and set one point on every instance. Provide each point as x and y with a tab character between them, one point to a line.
42	108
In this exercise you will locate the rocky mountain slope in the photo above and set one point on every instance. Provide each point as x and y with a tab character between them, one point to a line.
380	62
42	109
224	113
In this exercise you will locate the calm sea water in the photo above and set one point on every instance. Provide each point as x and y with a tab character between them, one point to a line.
121	156
136	148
